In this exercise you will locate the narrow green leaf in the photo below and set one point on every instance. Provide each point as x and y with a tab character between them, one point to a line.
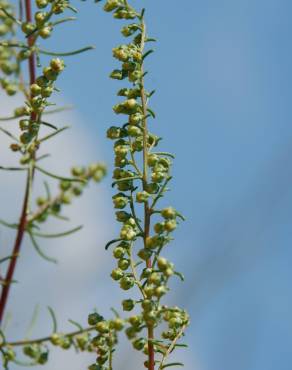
7	224
59	235
151	112
8	133
63	20
39	251
147	53
180	275
57	176
172	364
48	125
111	242
54	319
68	53
75	323
58	131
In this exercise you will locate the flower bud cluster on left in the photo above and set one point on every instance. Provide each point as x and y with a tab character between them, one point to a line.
29	69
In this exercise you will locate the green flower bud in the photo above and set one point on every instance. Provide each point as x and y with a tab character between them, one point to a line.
135	320
159	227
114	133
139	344
57	65
168	213
24	124
56	339
150	317
134	76
111	5
149	291
3	29
142	196
157	177
154	278
152	188
117	74
160	291
175	323
65	185
118	324
170	225
50	74
122	216
127	282
147	305
102	327
94	318
27	27
162	263
146	272
117	274
124	264
120	201
131	332
46	92
25	138
45	32
11	89
135	119
144	254
128	304
40	18
127	233
118	252
134	131
35	89
41	3
152	160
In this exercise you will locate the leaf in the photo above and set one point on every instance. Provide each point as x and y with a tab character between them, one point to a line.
151	112
68	53
54	319
147	53
112	242
58	131
8	133
75	323
57	176
180	275
12	226
33	320
39	251
172	364
59	235
49	125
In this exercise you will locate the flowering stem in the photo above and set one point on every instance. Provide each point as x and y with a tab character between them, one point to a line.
46	339
147	211
23	217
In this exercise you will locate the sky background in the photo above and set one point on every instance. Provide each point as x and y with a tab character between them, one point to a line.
222	74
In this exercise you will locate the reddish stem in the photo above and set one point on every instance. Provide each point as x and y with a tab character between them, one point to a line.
23	218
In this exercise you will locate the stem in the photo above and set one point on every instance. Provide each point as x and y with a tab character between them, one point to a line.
23	218
46	339
147	212
171	347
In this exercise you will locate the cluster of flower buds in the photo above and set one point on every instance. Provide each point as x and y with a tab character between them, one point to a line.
43	26
39	353
8	58
140	176
105	340
68	190
40	91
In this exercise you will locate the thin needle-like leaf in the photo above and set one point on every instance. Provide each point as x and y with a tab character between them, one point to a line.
39	251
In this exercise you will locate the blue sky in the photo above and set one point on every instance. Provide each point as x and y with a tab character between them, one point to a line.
222	72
